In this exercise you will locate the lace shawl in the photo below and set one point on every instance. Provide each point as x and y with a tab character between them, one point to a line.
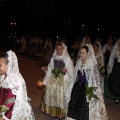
66	59
90	69
22	109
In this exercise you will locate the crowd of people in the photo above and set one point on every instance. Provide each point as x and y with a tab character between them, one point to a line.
78	77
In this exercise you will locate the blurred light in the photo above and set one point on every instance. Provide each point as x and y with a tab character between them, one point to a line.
98	29
9	37
39	83
83	25
13	23
69	21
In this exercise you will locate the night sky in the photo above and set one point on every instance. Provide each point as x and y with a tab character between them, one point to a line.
52	17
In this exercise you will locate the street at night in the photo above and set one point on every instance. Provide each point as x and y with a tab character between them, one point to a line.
81	31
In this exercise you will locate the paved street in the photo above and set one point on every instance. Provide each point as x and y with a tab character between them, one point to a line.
30	69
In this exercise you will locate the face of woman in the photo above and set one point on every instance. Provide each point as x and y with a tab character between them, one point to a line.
88	40
3	66
59	50
83	54
95	47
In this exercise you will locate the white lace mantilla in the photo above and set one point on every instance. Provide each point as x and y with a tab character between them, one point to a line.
22	110
97	110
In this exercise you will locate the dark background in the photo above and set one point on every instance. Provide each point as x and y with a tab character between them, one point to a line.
59	17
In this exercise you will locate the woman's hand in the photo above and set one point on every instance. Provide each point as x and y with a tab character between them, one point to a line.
64	70
1	118
44	68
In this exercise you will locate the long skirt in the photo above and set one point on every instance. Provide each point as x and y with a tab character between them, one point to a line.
114	81
53	101
107	92
78	108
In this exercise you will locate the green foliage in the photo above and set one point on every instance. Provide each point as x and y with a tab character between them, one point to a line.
90	92
57	72
3	108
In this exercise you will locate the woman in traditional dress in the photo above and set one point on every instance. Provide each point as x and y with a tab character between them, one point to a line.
114	73
13	93
85	104
100	62
107	49
56	80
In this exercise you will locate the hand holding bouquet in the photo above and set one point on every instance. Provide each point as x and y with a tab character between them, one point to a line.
58	72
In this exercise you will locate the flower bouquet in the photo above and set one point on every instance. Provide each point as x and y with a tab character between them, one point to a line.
90	92
57	72
3	108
